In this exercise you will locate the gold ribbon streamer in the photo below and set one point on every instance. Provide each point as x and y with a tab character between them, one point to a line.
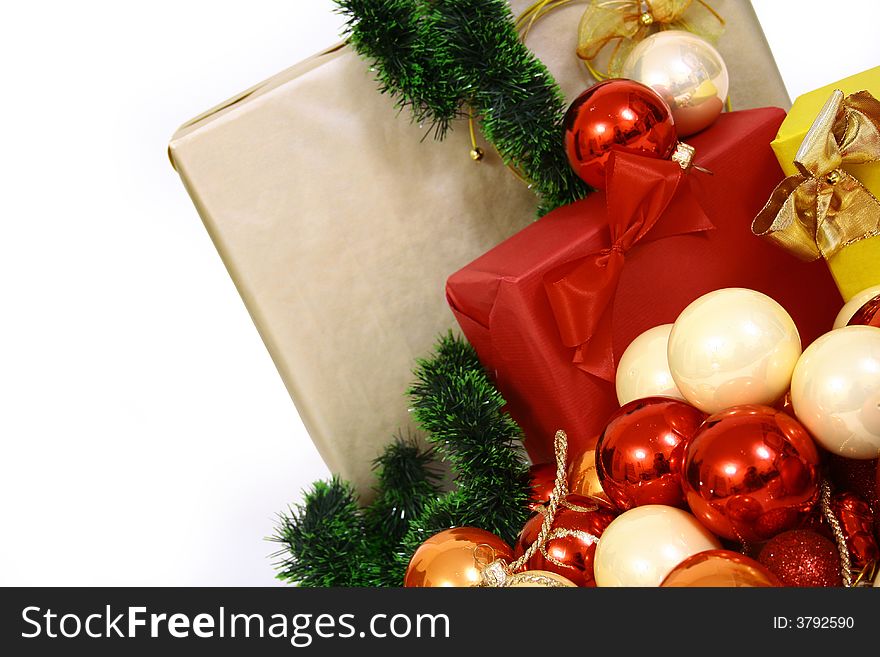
622	24
823	209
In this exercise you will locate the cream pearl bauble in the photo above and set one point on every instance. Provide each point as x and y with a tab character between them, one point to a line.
835	391
733	346
641	546
849	309
644	369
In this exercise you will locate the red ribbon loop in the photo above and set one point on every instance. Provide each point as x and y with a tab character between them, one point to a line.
582	291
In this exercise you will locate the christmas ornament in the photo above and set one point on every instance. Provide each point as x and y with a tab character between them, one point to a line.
802	558
641	546
617	27
733	346
687	73
643	370
857	476
720	568
498	572
868	314
835	391
751	472
616	115
542	477
583	477
569	547
857	526
537	578
639	454
855	304
451	558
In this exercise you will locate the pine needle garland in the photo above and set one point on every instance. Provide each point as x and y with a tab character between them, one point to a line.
324	540
328	541
408	481
462	413
447	58
409	60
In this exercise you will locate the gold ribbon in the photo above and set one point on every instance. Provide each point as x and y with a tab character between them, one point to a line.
823	209
625	23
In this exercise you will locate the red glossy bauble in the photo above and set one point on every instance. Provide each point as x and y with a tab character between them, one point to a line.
751	472
576	529
867	315
616	115
802	558
542	477
857	523
640	452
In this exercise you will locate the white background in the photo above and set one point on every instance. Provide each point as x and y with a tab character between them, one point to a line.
146	436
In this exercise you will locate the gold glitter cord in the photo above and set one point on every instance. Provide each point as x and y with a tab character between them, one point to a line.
828	513
498	573
560	490
533	578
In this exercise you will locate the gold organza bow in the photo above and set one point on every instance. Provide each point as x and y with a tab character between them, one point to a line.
626	22
823	208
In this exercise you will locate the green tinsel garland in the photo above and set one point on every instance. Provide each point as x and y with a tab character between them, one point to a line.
462	413
328	541
445	58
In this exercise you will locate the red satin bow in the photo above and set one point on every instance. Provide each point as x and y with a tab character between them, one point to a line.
582	291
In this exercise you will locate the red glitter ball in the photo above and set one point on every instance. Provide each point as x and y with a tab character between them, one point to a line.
801	557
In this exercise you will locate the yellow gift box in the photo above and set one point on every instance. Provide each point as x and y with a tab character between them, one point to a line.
857	265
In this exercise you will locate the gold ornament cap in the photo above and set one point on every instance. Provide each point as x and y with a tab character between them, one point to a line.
683	155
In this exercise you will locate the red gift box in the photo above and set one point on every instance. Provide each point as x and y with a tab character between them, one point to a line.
527	305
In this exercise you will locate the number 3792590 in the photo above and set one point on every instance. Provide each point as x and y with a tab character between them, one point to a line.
814	622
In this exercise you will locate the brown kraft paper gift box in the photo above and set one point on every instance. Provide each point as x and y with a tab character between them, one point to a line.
339	223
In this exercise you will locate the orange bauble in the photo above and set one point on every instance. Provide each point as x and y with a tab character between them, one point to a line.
453	557
720	568
583	477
